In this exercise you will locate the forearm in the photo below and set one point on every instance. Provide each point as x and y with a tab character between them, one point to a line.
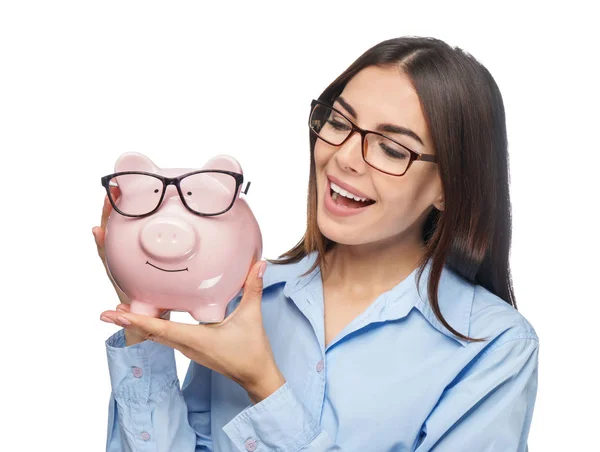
147	408
265	385
159	423
279	422
132	338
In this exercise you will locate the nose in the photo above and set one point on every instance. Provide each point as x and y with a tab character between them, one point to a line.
167	238
349	155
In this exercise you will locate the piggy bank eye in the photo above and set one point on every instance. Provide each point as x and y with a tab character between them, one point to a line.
137	190
209	192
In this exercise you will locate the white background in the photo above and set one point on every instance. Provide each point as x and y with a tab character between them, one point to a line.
82	82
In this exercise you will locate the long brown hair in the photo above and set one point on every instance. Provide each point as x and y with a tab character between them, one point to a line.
464	112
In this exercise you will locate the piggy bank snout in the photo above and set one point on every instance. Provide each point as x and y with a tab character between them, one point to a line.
167	238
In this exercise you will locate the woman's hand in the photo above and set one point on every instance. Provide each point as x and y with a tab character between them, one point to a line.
99	232
238	347
99	238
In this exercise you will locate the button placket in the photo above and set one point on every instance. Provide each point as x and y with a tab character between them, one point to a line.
315	404
320	366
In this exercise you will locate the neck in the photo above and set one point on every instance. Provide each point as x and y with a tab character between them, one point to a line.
370	269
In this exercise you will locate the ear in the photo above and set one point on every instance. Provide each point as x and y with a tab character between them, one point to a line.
224	162
134	161
227	163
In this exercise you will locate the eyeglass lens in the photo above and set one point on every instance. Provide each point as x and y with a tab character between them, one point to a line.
380	152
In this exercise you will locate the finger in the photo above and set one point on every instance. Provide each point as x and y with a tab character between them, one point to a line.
115	192
106	208
159	330
253	287
187	351
99	232
98	236
123	307
99	239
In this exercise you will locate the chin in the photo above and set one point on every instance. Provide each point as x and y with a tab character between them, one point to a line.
356	234
341	234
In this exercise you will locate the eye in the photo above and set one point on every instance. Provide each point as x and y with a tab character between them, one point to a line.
189	193
338	125
156	190
394	153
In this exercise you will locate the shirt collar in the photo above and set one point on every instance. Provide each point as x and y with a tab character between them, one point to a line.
455	299
455	295
291	274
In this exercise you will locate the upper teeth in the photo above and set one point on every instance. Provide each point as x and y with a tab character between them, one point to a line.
347	194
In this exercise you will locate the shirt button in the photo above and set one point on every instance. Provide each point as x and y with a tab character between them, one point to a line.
320	366
250	445
137	372
145	436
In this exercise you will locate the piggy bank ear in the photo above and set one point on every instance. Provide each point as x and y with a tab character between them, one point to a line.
221	186
134	161
129	184
224	162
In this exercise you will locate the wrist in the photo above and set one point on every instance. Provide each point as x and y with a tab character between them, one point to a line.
132	338
264	385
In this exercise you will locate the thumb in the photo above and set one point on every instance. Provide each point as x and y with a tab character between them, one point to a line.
253	286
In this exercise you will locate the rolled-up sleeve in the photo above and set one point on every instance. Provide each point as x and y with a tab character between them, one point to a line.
280	422
489	407
147	410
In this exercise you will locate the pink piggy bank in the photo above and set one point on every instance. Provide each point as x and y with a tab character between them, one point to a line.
180	239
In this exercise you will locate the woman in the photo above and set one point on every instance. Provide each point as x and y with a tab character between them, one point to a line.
392	325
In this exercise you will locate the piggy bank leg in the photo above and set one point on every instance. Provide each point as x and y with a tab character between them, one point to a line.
209	313
139	307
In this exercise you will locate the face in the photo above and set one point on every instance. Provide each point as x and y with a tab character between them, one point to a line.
373	98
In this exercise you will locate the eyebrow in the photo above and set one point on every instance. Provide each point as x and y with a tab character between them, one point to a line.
391	128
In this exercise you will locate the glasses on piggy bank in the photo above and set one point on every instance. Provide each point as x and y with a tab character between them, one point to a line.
203	192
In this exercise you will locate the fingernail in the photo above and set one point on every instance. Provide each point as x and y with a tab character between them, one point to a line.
261	269
123	321
106	319
121	310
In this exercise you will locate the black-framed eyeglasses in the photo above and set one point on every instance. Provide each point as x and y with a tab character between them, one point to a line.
204	192
378	151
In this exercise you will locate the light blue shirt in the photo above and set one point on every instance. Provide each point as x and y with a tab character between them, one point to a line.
395	379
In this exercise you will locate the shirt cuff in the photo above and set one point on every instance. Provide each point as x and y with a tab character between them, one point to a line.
140	370
279	422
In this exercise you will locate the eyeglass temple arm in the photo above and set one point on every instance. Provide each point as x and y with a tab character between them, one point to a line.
427	158
247	187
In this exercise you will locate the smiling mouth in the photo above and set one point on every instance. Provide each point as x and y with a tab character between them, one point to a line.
168	271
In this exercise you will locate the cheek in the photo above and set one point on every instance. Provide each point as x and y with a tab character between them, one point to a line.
323	154
395	207
400	198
